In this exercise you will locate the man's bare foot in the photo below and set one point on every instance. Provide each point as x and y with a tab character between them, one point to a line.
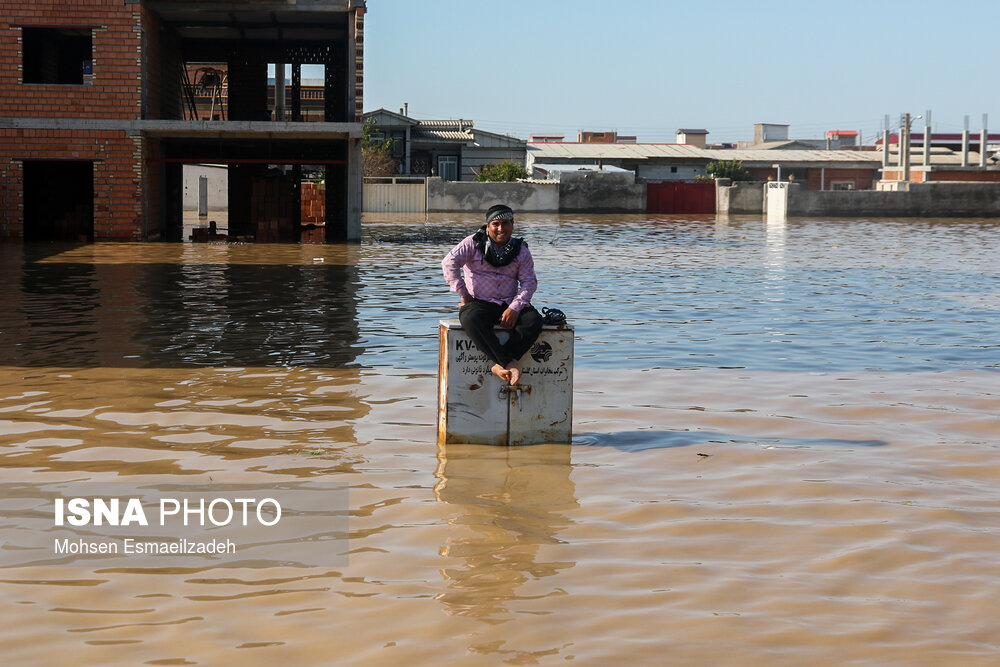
501	373
515	373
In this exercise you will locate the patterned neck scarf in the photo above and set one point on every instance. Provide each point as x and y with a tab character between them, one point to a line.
494	254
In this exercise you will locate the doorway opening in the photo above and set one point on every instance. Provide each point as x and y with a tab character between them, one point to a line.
264	203
59	201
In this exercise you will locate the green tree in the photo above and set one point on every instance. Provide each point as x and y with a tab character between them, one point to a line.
733	169
504	172
376	154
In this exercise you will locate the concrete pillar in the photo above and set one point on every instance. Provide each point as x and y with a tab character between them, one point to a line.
355	190
296	92
904	147
885	148
927	144
203	196
983	136
477	407
279	91
965	147
777	201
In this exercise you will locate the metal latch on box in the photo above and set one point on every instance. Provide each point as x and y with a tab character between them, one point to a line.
506	390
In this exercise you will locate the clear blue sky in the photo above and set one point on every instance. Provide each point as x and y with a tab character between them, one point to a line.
649	67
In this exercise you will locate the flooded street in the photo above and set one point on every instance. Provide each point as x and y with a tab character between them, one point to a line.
785	447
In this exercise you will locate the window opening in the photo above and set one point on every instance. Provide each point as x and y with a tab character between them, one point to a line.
57	55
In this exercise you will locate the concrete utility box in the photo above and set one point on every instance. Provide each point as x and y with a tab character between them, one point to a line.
477	407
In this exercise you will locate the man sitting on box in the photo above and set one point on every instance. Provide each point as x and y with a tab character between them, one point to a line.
497	288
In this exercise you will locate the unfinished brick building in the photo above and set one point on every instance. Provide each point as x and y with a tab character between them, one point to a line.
98	114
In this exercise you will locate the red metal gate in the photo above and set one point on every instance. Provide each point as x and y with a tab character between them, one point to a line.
680	197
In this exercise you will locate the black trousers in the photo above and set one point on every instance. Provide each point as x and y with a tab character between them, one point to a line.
478	319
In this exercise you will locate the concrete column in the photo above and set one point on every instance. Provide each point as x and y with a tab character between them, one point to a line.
355	190
885	148
983	136
927	144
279	91
965	147
203	196
296	92
904	147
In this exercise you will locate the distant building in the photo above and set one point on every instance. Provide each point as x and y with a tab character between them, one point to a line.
815	169
610	137
589	137
774	136
455	150
952	141
765	132
546	138
697	138
842	139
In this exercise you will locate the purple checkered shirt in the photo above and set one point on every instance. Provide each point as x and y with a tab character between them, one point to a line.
486	282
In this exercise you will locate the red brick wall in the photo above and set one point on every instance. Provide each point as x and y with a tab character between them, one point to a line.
118	203
116	45
762	173
863	179
973	175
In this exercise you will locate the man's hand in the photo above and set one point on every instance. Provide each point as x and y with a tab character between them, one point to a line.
466	300
509	318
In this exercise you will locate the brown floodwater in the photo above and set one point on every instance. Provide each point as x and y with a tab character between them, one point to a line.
786	447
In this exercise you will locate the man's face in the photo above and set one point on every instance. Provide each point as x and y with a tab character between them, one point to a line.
500	230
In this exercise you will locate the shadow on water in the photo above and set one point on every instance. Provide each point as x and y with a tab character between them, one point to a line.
167	314
639	441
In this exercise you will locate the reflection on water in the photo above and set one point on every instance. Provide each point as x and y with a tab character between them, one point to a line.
507	503
108	422
76	311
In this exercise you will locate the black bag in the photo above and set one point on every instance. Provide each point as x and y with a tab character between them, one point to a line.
553	316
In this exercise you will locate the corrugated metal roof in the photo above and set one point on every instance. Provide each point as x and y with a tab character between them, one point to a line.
426	134
545	150
793	155
542	151
550	168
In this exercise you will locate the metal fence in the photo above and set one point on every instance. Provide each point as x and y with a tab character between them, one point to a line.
395	194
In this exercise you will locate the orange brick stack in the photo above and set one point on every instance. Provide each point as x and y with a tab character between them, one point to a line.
313	204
